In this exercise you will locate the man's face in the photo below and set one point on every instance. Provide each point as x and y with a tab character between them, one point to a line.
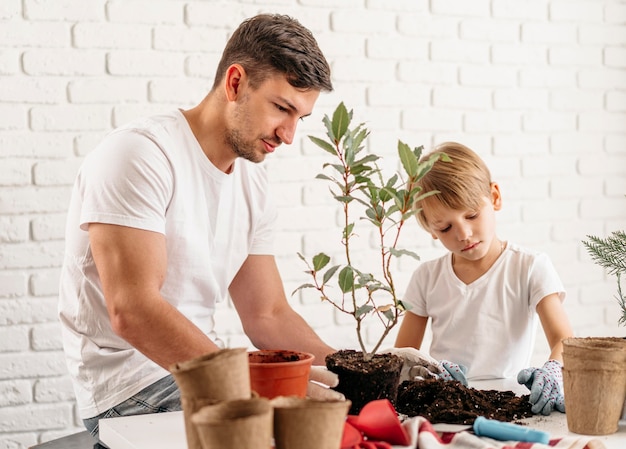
265	117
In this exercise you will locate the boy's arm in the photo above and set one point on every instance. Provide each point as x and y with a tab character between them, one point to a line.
412	329
555	323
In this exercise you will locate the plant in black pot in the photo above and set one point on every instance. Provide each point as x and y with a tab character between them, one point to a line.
367	199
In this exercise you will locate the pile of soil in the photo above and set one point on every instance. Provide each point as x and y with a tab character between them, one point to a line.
451	402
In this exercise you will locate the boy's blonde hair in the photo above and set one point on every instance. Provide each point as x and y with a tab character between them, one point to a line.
462	183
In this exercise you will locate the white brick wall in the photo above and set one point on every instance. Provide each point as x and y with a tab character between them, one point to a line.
537	87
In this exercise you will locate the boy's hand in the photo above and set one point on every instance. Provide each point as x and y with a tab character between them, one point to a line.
546	387
453	371
419	364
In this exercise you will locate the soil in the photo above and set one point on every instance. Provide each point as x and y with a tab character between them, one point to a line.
363	381
451	402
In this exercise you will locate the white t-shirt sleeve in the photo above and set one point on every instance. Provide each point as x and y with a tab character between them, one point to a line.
543	281
129	184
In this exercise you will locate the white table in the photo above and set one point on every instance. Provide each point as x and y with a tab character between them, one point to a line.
167	430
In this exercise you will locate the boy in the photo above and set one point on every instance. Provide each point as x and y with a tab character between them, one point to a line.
485	295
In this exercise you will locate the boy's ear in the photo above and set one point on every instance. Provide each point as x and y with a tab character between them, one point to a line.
433	236
496	197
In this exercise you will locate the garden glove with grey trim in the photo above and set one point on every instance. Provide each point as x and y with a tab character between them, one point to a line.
418	364
321	381
546	387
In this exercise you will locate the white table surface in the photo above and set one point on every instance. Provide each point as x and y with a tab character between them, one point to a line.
167	430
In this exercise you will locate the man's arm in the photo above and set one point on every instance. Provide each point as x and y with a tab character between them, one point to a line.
267	318
132	265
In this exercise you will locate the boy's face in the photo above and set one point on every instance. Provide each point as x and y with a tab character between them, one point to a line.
468	234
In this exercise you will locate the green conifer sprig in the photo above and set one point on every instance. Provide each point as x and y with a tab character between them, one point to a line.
610	253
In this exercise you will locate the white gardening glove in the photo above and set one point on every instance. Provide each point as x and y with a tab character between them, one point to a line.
546	387
416	363
321	381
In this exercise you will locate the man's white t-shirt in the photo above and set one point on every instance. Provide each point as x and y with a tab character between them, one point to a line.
488	325
153	175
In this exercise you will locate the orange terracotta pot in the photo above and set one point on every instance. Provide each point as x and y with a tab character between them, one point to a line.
279	372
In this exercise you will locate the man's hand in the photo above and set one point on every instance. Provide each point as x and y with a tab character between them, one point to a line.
546	387
321	381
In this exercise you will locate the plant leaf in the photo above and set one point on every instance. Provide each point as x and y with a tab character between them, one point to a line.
346	279
320	261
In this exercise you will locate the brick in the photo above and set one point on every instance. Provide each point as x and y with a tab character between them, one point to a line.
31	199
125	113
519	54
394	47
46	337
615	57
9	62
194	39
461	97
490	30
12	284
69	117
35	34
594	164
144	63
520	145
459	51
549	33
183	91
28	311
33	255
602	208
432	119
154	12
394	96
488	76
65	10
428	26
49	227
107	90
362	21
10	9
63	62
579	143
616	143
54	389
549	166
215	15
35	417
202	65
13	117
461	8
615	13
492	122
601	79
87	141
35	144
607	122
45	282
577	56
17	440
15	172
547	77
15	392
514	9
549	121
576	11
55	173
575	187
519	98
13	339
31	364
600	34
576	100
18	89
111	36
357	70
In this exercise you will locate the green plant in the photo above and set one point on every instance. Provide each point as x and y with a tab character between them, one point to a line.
610	253
357	182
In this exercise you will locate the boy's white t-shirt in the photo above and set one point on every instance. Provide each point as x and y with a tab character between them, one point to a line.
153	175
489	325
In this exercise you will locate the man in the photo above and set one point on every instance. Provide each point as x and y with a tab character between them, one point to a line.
170	215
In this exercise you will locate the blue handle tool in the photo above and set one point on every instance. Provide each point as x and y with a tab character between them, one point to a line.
506	431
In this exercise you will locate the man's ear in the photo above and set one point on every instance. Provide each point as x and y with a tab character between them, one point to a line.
496	197
233	80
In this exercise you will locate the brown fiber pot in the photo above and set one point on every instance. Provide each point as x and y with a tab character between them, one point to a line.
594	384
279	372
217	376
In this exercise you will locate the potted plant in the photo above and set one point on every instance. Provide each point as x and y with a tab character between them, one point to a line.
594	368
384	204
